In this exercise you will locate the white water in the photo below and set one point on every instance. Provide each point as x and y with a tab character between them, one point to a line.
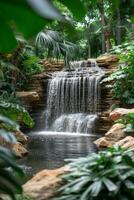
73	98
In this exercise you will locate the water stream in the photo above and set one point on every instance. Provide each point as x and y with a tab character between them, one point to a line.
70	117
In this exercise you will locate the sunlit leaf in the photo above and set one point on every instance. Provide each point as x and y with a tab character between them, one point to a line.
76	7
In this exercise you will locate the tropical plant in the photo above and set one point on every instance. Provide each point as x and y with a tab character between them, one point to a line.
16	112
128	121
123	48
105	175
122	80
56	46
10	173
30	65
29	17
21	197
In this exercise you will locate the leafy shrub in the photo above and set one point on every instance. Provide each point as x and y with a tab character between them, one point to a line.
16	112
20	197
107	175
128	121
123	48
10	173
31	65
122	81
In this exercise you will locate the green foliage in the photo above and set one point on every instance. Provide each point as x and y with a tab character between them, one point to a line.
21	197
123	80
56	45
106	175
123	48
16	113
31	65
128	121
10	174
8	124
29	17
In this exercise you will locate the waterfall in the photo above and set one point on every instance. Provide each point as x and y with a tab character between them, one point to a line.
73	98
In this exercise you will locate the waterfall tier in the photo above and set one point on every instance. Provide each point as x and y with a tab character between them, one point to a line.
73	98
75	123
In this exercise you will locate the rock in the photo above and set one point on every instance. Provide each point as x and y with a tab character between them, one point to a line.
116	132
44	185
107	59
19	150
127	142
29	97
21	137
103	142
118	112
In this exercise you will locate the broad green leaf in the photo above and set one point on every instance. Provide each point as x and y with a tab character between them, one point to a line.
129	161
110	185
22	17
9	122
129	184
76	7
7	39
46	9
9	137
93	190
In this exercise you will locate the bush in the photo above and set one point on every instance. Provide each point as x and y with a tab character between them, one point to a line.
122	81
16	112
107	175
128	121
10	173
31	65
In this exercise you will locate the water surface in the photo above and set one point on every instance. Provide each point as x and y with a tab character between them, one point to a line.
47	150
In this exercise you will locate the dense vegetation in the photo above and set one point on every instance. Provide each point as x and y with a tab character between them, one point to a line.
66	30
122	81
106	175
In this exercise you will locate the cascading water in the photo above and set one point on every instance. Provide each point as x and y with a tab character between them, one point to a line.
72	107
73	98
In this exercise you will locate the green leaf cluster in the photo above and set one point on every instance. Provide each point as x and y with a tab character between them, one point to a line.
56	46
124	48
10	174
128	121
29	17
16	112
105	175
30	65
122	81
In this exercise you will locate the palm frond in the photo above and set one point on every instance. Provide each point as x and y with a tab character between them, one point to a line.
55	45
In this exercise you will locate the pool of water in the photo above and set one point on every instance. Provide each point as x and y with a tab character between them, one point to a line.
47	150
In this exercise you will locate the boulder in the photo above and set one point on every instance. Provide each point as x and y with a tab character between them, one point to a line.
104	142
115	134
44	185
29	97
107	60
19	150
118	112
127	142
21	137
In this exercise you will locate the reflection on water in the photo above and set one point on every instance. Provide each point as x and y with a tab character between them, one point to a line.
47	150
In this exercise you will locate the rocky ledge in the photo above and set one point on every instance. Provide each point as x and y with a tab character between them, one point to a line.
45	184
116	135
18	148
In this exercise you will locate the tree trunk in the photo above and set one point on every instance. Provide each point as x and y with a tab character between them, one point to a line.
118	27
